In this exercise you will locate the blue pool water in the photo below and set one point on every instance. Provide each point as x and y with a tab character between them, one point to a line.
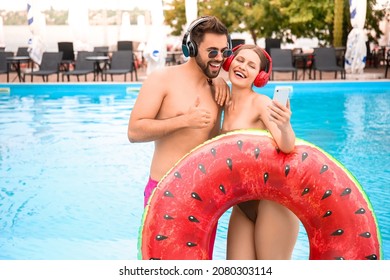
71	185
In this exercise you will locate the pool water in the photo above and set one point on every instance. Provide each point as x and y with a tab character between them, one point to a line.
71	184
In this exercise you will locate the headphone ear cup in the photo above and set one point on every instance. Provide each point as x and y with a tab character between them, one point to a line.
185	50
263	76
184	46
261	79
228	61
193	51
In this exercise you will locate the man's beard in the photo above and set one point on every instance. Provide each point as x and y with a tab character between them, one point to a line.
206	69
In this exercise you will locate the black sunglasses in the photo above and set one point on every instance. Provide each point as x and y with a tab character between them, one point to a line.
226	53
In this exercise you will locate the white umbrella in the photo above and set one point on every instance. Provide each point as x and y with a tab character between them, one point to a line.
2	42
125	32
356	51
141	34
37	24
156	46
78	20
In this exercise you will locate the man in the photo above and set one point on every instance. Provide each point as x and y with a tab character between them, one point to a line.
178	107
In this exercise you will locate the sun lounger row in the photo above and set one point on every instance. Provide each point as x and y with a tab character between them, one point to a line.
321	60
53	63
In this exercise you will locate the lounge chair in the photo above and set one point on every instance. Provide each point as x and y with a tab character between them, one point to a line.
122	62
4	65
68	56
325	60
101	50
82	66
22	51
282	61
125	45
236	42
387	63
50	65
128	46
272	43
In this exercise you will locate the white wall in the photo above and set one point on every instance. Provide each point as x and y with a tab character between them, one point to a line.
16	36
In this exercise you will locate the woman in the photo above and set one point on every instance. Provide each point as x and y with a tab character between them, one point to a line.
258	229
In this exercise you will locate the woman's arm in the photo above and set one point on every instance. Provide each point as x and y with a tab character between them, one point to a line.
276	118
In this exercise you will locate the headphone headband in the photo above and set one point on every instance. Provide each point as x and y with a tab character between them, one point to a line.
197	22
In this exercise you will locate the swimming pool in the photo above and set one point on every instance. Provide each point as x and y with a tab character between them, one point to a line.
71	185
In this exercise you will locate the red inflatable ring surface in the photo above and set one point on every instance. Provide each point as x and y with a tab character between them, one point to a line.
246	165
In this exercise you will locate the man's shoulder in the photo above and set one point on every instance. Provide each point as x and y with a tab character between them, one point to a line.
168	80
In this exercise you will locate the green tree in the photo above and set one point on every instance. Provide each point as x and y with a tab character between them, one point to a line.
261	18
327	20
175	16
312	19
372	21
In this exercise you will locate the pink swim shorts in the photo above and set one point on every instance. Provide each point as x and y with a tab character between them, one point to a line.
151	185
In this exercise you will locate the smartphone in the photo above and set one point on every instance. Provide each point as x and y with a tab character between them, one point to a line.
282	93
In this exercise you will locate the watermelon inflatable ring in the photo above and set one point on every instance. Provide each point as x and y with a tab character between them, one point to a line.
246	165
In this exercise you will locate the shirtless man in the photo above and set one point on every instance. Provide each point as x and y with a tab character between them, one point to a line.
178	107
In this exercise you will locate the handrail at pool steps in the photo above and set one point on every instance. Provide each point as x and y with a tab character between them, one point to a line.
5	90
92	89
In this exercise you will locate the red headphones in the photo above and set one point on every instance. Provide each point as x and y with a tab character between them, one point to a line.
261	78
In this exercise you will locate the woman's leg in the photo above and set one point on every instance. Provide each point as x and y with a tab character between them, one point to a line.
240	238
276	231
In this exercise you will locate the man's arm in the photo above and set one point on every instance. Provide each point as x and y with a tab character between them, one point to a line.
221	91
143	123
